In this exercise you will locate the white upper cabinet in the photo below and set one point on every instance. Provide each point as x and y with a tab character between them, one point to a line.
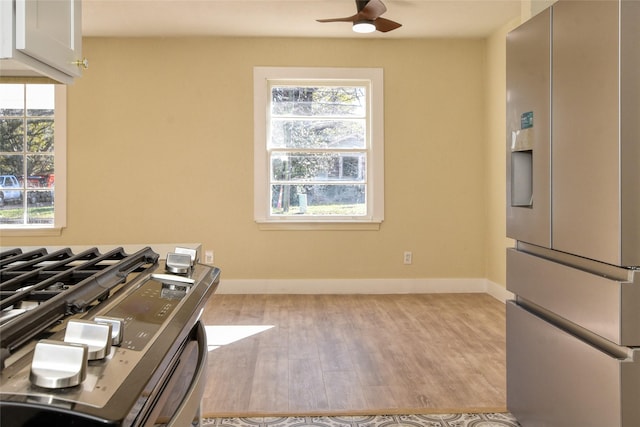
41	38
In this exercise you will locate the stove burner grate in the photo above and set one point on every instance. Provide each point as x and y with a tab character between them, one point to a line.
38	288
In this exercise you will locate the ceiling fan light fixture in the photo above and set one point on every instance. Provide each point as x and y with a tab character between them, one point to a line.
364	26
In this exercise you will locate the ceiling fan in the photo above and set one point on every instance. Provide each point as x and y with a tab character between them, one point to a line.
368	18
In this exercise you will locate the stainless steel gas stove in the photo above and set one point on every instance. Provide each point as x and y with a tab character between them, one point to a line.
102	339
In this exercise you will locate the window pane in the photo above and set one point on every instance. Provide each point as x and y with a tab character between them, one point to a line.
12	213
318	166
12	165
40	100
11	135
10	193
40	192
11	100
39	208
336	134
318	200
318	101
39	135
40	166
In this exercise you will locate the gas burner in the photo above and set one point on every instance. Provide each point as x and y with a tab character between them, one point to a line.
57	287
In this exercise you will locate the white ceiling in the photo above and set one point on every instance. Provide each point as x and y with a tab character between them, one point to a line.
290	18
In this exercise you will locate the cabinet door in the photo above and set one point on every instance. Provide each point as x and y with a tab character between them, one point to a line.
50	31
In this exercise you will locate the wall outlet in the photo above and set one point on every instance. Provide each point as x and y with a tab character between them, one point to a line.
208	257
408	257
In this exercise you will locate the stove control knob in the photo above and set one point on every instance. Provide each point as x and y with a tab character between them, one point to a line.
57	364
97	336
178	263
117	327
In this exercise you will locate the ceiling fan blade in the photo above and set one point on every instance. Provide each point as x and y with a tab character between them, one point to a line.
383	25
345	19
372	10
369	10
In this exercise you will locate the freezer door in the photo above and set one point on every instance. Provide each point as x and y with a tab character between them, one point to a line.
596	131
528	131
594	296
555	379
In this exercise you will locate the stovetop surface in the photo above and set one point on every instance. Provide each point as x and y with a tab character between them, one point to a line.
158	310
38	289
148	309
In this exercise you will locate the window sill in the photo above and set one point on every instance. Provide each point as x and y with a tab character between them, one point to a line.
299	225
30	232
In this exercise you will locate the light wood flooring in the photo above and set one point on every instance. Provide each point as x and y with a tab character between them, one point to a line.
358	354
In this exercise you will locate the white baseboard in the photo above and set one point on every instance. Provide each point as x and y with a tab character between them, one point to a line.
362	286
498	291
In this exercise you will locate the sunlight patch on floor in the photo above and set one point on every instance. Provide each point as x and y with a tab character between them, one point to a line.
219	335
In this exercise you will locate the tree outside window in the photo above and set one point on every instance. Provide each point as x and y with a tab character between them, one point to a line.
317	145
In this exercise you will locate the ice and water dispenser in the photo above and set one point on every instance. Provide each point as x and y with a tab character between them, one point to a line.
522	142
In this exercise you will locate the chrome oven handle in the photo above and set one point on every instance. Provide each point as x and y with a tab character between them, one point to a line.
190	405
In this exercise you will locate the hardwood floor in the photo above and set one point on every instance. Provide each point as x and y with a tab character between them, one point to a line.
358	354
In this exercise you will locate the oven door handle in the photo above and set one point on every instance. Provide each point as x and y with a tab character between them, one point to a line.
190	405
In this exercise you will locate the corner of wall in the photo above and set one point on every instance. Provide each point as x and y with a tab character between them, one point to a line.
498	292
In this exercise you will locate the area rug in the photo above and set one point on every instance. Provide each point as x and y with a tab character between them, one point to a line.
427	420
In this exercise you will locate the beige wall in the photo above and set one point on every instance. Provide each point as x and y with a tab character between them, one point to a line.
496	157
160	149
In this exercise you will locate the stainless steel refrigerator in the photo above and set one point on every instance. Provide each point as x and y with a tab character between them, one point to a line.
573	207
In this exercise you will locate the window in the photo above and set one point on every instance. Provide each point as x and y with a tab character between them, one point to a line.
32	156
318	146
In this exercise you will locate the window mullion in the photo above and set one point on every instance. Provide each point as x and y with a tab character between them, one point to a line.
317	150
25	158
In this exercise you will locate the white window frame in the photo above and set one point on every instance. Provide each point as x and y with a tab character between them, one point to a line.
262	77
60	170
